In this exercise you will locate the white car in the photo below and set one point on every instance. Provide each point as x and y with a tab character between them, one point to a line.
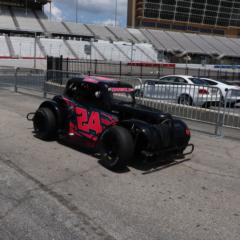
233	95
182	89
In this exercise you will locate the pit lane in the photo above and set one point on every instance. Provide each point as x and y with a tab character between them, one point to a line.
51	191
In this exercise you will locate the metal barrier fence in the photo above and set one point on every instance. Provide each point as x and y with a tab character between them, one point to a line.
141	69
205	104
200	103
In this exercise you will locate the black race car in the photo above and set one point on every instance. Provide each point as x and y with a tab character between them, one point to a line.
102	114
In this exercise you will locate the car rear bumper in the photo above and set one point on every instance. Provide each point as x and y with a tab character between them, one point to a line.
183	151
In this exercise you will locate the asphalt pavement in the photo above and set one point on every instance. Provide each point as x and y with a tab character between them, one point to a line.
49	190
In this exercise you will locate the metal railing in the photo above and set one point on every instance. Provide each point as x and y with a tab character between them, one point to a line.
204	104
192	102
145	69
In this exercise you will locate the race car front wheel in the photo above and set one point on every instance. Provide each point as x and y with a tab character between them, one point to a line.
116	148
45	125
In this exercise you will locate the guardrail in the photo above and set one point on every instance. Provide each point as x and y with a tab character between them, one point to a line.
197	103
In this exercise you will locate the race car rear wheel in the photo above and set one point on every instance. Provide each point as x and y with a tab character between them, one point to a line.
116	148
45	124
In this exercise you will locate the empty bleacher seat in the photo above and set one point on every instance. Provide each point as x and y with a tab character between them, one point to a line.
78	29
221	48
122	34
153	40
205	46
149	50
169	43
79	46
6	21
136	52
24	47
27	20
52	26
101	32
231	44
56	48
4	52
185	42
138	35
110	52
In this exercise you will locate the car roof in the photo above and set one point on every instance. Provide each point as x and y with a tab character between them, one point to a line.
183	76
99	80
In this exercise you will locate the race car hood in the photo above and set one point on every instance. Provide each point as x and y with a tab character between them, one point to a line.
140	112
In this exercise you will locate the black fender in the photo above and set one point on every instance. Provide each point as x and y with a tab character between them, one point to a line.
54	106
142	132
182	133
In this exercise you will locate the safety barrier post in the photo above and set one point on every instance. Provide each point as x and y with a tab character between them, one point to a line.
44	85
16	80
221	117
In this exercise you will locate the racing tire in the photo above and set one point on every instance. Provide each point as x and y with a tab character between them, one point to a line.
116	148
185	100
45	124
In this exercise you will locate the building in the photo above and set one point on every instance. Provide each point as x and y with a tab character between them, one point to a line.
220	17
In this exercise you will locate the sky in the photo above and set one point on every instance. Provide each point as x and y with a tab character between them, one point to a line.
89	11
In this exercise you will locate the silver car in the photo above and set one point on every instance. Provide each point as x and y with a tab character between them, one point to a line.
182	89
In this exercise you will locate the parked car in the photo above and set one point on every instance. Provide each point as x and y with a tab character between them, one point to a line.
182	89
102	114
233	95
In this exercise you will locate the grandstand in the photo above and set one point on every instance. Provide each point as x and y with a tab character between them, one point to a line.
26	32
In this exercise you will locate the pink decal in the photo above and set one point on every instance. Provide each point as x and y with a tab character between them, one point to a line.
116	90
90	80
86	124
82	119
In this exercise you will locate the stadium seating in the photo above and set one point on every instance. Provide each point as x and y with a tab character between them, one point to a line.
101	32
184	42
138	35
26	20
108	42
78	47
4	51
78	29
136	52
169	43
24	47
110	51
122	34
6	21
236	42
202	44
153	40
149	51
221	47
52	26
230	44
56	48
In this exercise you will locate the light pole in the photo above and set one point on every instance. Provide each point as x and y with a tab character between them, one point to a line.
116	9
26	3
76	11
51	11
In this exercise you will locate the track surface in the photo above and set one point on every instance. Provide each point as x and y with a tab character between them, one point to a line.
51	191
